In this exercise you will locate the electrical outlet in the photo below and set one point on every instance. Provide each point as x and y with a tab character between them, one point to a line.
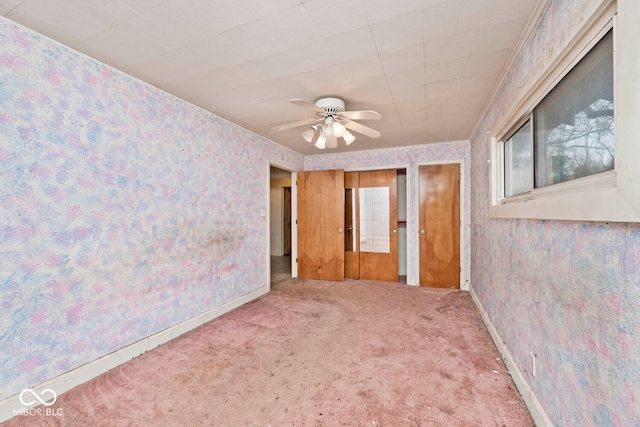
235	286
532	364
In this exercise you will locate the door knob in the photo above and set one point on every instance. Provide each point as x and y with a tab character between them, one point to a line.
339	230
422	232
394	231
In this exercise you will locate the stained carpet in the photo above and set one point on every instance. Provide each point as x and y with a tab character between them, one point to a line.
313	353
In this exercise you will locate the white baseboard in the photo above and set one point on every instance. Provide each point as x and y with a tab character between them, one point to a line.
536	410
84	373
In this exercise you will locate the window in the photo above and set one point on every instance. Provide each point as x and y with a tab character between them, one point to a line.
573	125
570	133
517	162
584	164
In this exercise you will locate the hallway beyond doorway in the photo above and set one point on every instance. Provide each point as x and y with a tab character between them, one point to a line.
280	269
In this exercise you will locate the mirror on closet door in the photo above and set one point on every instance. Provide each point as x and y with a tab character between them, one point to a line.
374	220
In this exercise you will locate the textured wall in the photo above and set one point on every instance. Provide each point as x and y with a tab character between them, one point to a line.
413	156
566	291
123	210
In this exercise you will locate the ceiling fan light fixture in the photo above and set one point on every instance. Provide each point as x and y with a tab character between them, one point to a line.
321	143
331	122
348	137
309	134
339	129
328	127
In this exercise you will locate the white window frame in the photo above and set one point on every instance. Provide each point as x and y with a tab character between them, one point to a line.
607	196
503	163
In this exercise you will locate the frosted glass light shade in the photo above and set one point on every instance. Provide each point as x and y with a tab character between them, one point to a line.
339	129
309	134
328	127
348	137
321	142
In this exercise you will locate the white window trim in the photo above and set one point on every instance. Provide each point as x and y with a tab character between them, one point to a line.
607	196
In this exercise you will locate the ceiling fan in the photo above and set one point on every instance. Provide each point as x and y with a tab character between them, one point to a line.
331	122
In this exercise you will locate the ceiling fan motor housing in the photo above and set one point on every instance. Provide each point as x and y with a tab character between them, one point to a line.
331	106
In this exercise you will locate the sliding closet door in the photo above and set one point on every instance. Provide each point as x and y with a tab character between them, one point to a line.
378	237
321	225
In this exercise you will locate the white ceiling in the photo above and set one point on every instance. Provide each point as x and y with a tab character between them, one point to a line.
428	67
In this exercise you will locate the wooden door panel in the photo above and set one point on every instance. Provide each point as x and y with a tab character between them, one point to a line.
376	265
320	225
440	225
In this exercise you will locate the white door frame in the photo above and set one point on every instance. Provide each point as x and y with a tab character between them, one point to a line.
294	224
294	216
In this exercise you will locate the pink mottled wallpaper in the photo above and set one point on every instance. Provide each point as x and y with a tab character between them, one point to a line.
569	292
123	210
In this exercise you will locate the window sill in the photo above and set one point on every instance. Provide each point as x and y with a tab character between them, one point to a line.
594	198
588	183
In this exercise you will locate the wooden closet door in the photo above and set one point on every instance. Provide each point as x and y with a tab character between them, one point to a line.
440	225
321	225
379	265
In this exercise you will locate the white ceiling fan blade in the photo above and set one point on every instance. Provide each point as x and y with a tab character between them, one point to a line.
332	142
361	115
365	130
307	105
294	124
